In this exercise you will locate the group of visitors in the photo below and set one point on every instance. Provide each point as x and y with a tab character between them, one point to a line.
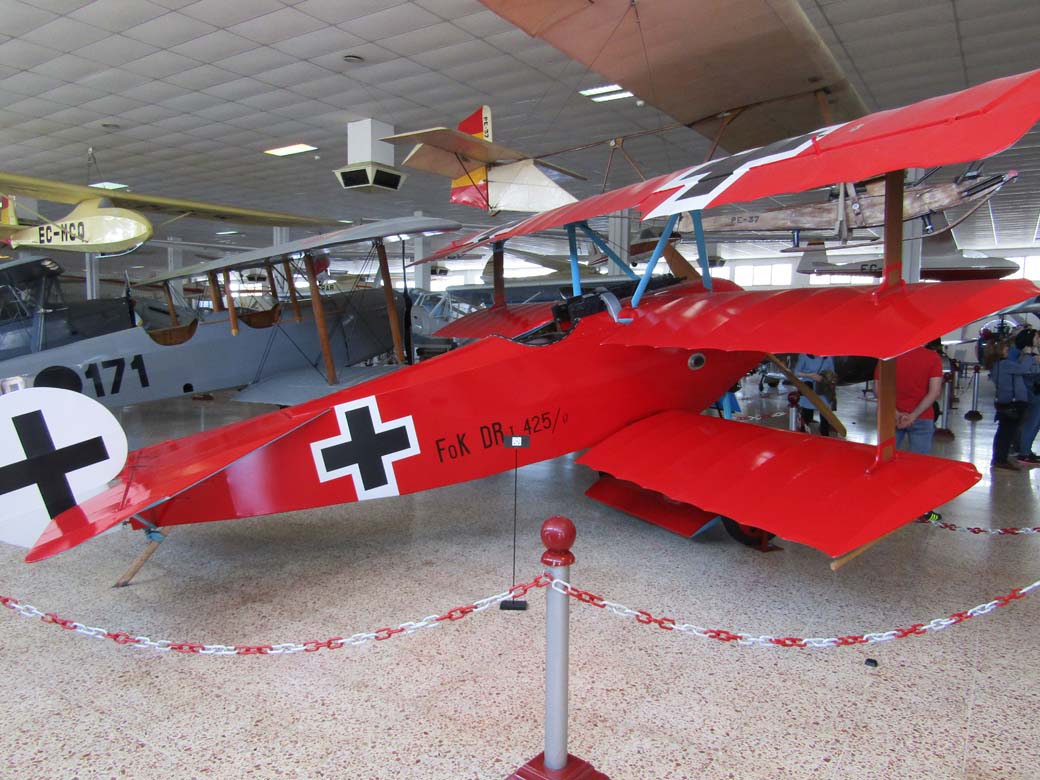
1014	369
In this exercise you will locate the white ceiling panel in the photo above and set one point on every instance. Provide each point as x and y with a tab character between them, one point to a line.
201	78
337	11
221	13
112	80
20	18
425	39
169	30
468	53
277	26
257	60
156	91
217	45
28	82
24	53
326	40
391	22
117	51
117	15
296	73
238	88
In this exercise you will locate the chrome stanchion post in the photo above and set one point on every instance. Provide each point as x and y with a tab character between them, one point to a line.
555	763
974	414
794	419
945	432
558	535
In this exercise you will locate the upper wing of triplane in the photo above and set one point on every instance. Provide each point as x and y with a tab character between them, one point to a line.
968	125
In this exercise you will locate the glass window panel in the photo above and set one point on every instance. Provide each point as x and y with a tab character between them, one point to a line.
782	274
763	275
743	275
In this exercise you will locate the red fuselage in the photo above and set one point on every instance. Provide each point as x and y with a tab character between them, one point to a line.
445	420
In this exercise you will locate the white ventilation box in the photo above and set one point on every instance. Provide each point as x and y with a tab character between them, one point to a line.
370	162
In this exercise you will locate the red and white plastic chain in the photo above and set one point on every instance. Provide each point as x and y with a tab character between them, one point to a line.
286	648
669	624
989	531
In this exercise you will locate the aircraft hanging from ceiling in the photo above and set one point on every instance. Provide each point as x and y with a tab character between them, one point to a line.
484	174
104	220
745	85
625	381
941	261
129	350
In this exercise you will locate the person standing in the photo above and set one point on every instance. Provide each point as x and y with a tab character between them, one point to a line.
1027	342
809	369
919	380
1011	400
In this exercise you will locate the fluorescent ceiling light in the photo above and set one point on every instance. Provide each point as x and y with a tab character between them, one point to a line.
346	221
599	90
227	232
611	96
285	151
109	185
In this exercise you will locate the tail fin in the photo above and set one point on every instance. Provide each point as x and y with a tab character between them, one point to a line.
815	261
7	215
472	189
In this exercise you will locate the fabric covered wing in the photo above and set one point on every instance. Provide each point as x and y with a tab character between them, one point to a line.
807	489
506	321
154	474
691	61
967	125
824	321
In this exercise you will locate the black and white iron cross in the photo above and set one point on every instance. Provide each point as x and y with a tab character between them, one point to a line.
47	466
366	449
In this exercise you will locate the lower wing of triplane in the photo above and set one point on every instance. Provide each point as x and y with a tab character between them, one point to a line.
740	471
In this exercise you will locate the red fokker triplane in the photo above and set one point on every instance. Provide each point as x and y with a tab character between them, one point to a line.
652	362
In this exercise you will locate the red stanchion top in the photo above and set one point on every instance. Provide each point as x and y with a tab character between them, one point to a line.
558	534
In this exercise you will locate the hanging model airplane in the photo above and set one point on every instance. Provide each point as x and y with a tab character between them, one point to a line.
125	350
103	220
484	174
625	380
940	261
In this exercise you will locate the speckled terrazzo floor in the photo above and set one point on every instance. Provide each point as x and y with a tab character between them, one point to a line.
465	700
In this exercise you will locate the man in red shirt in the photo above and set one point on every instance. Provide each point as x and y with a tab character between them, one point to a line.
919	377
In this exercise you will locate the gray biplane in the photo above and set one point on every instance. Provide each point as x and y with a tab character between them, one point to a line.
126	350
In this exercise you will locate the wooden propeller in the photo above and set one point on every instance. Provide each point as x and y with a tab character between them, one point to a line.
804	389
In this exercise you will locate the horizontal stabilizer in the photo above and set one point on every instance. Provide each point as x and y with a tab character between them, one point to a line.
506	321
441	147
155	474
823	321
808	489
655	508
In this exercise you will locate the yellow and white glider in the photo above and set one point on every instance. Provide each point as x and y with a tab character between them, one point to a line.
103	220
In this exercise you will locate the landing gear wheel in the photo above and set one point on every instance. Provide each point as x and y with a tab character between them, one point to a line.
748	535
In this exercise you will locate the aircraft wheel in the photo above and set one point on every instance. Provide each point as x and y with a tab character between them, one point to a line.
747	535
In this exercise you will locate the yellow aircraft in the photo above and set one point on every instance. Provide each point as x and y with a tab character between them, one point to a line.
103	221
